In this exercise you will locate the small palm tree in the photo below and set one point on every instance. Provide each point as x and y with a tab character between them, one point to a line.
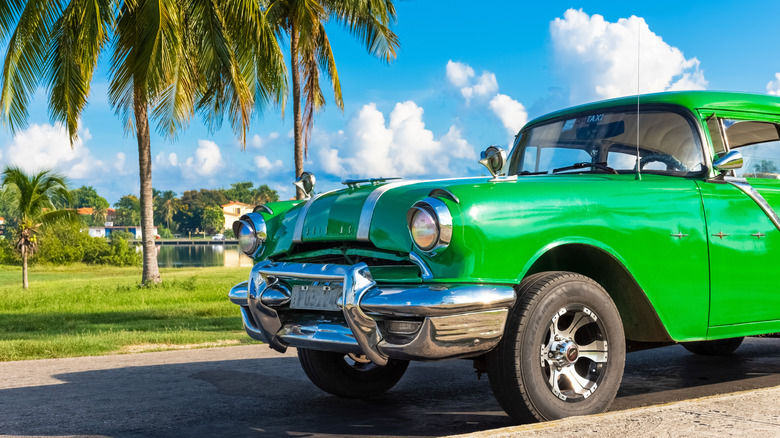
99	215
303	21
32	206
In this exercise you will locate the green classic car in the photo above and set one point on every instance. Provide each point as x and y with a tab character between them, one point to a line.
609	227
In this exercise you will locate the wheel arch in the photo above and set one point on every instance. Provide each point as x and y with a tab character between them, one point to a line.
640	320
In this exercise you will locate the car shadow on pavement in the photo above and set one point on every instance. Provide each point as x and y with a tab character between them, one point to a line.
272	397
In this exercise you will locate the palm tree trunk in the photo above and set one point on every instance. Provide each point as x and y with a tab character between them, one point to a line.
25	284
151	273
297	124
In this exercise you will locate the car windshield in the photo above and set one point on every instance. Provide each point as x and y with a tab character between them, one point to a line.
668	144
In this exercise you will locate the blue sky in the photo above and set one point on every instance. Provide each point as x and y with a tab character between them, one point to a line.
467	76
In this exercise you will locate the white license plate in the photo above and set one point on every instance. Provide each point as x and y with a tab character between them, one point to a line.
315	297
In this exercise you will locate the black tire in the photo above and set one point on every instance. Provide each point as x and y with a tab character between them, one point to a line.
526	380
719	347
350	375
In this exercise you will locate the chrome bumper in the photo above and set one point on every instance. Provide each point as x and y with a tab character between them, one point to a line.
455	320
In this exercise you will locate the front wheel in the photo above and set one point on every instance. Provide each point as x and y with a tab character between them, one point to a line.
350	375
563	350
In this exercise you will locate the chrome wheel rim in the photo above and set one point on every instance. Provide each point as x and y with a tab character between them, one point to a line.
574	353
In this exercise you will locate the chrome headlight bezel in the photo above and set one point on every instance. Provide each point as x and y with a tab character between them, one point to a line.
255	224
440	213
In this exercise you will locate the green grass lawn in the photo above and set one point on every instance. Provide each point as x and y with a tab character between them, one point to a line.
83	310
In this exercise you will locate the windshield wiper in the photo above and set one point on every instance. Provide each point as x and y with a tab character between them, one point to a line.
525	172
581	165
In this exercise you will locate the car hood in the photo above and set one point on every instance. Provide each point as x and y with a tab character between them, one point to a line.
376	214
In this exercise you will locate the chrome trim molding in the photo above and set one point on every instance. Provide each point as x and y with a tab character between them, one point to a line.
262	208
367	213
425	271
456	320
298	231
745	187
444	193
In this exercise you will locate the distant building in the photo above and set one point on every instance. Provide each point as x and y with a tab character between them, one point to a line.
87	211
106	231
233	210
2	227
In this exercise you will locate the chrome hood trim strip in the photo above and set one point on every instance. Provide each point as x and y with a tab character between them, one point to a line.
298	232
367	213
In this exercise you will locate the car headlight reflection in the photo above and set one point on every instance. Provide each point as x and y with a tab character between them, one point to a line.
250	231
430	224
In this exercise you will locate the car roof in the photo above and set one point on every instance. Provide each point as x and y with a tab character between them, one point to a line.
708	100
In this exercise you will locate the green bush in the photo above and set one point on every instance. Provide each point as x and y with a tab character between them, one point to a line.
229	234
165	233
64	244
121	234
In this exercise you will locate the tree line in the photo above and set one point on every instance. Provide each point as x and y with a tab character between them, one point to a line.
195	211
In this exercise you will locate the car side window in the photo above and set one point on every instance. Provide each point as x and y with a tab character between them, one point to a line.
759	144
668	143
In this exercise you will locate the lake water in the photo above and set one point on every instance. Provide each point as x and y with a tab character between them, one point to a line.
180	256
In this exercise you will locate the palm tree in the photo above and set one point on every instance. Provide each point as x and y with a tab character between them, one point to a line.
32	206
168	206
99	214
173	57
303	21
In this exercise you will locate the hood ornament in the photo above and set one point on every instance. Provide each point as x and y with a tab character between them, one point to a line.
306	183
352	183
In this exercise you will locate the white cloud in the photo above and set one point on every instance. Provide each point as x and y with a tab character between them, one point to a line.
462	76
119	164
486	85
206	162
599	58
258	142
48	147
265	165
170	160
773	87
511	112
459	74
400	146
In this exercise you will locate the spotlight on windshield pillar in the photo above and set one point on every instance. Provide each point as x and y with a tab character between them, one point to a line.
306	183
493	158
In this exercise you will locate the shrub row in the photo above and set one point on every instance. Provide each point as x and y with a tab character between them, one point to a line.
65	244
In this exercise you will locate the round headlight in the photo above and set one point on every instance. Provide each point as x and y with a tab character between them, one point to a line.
250	231
425	233
246	238
430	224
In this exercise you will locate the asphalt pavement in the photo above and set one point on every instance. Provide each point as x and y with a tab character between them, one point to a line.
253	391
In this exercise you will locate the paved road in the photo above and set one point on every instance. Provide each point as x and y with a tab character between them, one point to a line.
252	391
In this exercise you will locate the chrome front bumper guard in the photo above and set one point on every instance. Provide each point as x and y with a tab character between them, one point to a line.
457	320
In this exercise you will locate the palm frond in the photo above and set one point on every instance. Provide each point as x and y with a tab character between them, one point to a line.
25	60
369	21
77	40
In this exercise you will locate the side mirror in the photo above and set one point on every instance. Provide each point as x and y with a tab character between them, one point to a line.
306	183
732	160
493	158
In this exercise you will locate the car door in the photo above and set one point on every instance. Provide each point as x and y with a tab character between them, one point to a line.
742	226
